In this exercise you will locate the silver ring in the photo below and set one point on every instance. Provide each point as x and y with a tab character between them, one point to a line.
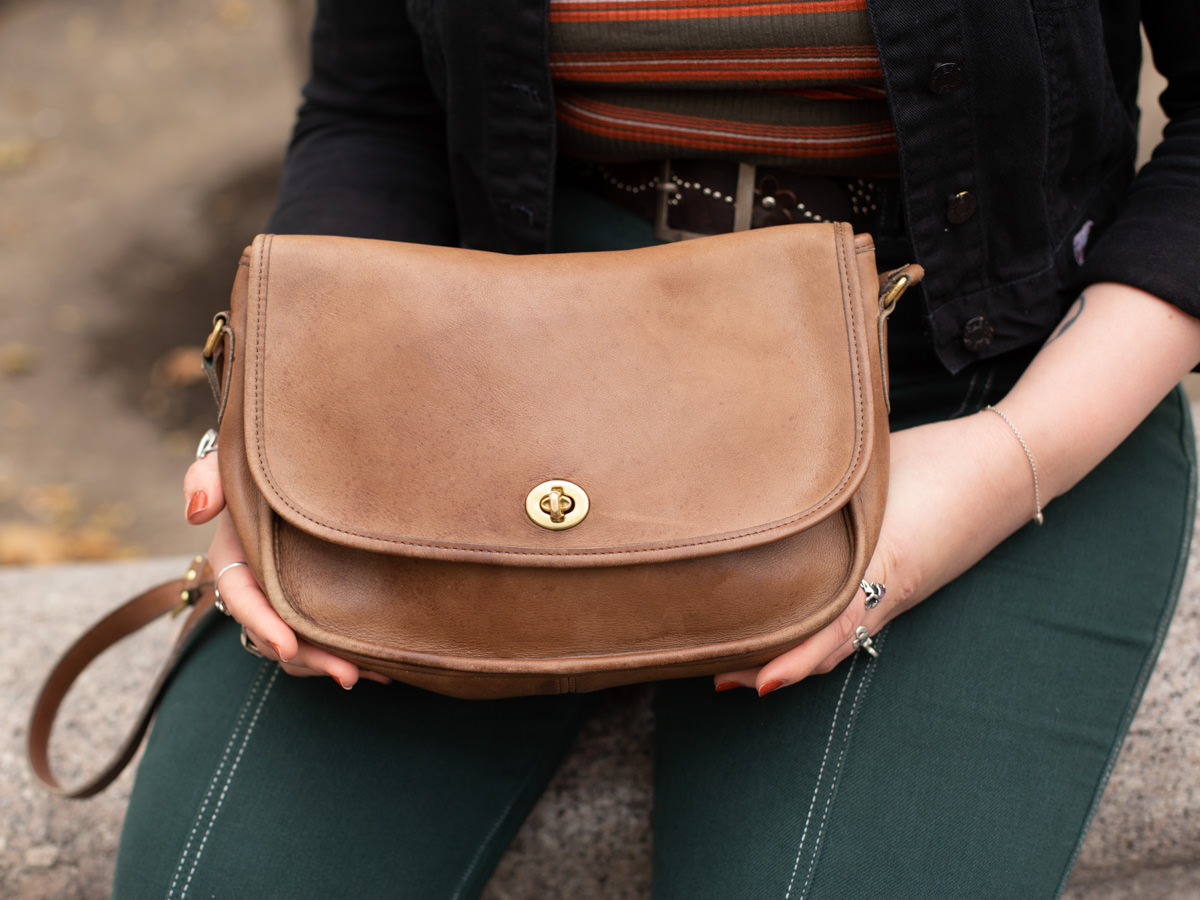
219	603
875	591
862	641
208	443
248	645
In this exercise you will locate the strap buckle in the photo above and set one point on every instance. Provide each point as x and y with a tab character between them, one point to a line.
668	195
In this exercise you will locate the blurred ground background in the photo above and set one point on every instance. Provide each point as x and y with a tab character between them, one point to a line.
140	142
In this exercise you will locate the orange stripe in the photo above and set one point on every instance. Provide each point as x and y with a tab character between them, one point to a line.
583	108
710	76
666	10
858	50
748	146
798	149
799	6
800	141
703	66
772	64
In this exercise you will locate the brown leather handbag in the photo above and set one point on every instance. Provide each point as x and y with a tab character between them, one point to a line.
493	475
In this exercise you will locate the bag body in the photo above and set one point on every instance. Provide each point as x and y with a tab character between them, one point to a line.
493	475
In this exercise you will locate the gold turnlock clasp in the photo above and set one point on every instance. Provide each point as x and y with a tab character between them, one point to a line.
557	505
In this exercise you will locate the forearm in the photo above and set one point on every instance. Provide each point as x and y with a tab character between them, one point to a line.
960	487
368	156
1118	352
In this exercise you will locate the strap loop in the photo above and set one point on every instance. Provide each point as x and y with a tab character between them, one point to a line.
193	590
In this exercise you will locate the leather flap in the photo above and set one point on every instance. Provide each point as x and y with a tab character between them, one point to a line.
707	396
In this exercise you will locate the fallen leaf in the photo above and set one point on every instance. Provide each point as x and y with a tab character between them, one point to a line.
178	368
17	359
16	153
52	503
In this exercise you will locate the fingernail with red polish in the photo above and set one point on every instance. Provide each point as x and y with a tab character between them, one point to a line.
197	504
727	686
768	687
341	684
278	653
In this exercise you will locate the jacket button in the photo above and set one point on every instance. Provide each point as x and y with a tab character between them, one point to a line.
978	334
960	207
945	78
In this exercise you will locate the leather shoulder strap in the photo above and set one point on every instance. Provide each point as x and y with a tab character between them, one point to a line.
194	590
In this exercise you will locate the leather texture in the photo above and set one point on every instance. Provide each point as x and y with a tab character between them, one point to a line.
194	592
388	407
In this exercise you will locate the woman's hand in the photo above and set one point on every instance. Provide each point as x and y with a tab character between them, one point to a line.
242	595
956	489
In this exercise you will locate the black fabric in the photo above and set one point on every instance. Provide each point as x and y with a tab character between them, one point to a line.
434	121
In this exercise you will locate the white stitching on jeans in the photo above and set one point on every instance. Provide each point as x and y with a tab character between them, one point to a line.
237	726
227	777
833	731
474	863
820	776
880	639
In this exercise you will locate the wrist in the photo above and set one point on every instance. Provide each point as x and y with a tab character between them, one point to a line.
1033	466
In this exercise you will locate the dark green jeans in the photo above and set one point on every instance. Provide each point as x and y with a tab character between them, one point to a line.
965	762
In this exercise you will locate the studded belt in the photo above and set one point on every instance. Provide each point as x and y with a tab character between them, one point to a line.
691	198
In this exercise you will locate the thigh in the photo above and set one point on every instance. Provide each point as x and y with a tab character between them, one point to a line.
967	760
256	784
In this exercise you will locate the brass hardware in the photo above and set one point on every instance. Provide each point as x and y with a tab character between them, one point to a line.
557	505
210	346
889	293
190	592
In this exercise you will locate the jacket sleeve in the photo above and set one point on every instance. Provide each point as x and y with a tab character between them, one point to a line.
1154	243
367	156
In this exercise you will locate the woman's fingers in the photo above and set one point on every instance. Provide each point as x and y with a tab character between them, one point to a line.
819	654
309	661
270	634
202	490
243	597
241	594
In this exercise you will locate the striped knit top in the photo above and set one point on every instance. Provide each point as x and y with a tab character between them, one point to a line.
783	83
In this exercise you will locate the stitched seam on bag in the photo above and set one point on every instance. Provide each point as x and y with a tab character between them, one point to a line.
857	362
850	309
224	760
260	357
868	676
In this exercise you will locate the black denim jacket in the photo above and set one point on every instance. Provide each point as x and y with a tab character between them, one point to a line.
433	121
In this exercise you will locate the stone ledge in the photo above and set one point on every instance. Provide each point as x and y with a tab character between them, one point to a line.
589	837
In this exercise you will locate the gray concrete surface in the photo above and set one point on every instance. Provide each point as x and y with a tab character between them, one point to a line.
589	838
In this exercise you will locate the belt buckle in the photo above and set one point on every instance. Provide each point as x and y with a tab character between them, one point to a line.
668	189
